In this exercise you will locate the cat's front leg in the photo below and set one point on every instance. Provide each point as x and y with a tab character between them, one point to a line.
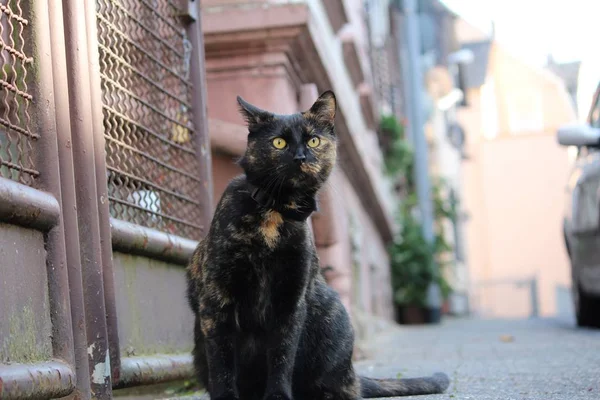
281	355
219	345
221	368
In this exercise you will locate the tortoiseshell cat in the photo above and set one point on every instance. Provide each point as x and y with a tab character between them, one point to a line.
267	325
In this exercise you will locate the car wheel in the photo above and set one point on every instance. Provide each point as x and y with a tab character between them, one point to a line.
587	308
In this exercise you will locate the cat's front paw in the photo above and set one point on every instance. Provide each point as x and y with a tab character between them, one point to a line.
278	396
226	397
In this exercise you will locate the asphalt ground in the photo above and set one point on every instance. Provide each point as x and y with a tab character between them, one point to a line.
493	359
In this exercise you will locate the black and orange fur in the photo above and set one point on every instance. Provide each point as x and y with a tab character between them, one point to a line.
267	325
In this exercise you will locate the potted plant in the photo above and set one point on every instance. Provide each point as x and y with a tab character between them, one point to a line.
411	268
416	264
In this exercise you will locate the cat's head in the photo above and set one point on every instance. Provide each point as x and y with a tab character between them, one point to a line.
296	151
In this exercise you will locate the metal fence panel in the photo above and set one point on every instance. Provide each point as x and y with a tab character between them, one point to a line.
16	136
153	170
140	78
36	340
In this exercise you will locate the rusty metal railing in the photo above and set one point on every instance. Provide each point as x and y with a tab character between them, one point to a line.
103	146
16	135
28	129
153	169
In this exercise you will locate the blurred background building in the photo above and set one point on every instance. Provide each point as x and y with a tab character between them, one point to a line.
514	178
279	55
486	113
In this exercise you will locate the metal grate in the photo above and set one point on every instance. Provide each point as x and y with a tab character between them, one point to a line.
16	137
152	166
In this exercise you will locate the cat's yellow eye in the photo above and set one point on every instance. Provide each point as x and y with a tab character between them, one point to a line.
314	142
279	143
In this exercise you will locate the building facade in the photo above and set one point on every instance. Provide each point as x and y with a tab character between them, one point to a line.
514	180
280	56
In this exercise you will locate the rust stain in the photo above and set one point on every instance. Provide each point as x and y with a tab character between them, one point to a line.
169	247
145	242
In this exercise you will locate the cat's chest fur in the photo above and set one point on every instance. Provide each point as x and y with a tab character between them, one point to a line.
266	263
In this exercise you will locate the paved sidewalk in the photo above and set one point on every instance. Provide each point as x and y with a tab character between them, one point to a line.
498	359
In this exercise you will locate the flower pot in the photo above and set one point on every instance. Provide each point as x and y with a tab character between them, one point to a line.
434	315
409	314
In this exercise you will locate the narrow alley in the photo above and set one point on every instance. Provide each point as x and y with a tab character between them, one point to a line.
494	359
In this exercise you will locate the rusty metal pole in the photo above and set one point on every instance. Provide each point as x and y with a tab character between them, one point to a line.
102	188
46	380
46	151
69	203
87	196
199	112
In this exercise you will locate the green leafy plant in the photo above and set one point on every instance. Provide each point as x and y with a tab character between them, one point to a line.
411	258
415	263
414	260
443	210
398	154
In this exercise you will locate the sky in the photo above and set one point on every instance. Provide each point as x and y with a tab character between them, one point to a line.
567	29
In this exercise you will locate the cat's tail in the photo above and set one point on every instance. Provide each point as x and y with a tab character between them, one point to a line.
373	388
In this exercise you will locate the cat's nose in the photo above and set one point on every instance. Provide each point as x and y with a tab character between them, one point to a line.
299	157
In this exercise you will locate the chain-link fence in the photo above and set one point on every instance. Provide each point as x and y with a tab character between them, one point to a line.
16	136
153	177
82	198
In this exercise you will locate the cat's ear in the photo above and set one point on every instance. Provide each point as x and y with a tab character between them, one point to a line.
252	114
324	108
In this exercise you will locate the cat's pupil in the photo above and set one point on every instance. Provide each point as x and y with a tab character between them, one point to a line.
279	143
314	142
